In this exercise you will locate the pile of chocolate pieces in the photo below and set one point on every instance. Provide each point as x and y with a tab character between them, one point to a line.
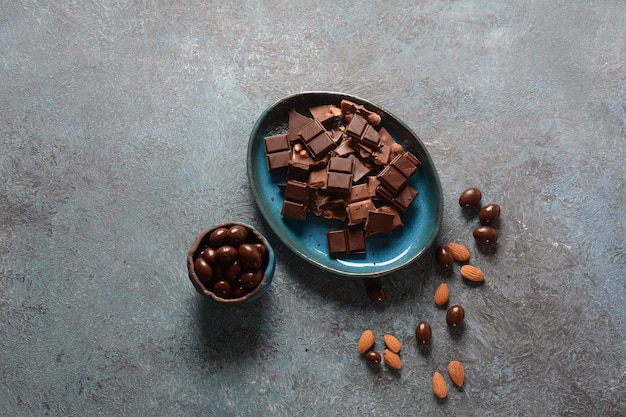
339	166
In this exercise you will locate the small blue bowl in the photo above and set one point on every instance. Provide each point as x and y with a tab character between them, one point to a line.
269	264
307	239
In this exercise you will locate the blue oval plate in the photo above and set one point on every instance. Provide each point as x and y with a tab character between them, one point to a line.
385	253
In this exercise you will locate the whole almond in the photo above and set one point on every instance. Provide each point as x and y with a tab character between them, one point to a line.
392	343
458	251
442	294
366	341
439	386
471	273
392	359
457	372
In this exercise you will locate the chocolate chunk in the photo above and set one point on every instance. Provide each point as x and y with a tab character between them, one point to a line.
406	163
327	115
392	179
370	137
345	241
358	192
381	155
297	171
345	148
357	211
296	122
405	197
311	131
360	169
320	146
357	127
317	178
397	219
294	210
378	222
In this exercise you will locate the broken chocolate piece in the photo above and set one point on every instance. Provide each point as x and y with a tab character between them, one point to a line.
357	211
378	222
358	192
297	171
405	197
357	127
328	115
296	122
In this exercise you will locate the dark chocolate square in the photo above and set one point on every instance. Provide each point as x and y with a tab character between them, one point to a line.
339	164
294	210
405	197
357	126
320	146
337	242
356	241
370	137
406	163
392	179
338	182
278	160
276	143
297	191
313	129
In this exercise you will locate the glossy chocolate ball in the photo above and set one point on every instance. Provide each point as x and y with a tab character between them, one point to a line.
489	213
218	237
376	293
203	269
237	235
470	197
226	254
423	333
486	235
455	316
444	257
373	357
222	289
249	256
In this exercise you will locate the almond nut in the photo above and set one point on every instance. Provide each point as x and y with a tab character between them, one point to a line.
392	359
471	273
457	372
442	294
439	386
366	341
458	251
392	343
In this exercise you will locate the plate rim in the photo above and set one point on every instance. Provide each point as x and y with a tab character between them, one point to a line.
338	271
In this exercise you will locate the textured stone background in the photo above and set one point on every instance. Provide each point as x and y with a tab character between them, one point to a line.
124	128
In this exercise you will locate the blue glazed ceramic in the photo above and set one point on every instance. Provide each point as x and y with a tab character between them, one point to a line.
269	265
386	253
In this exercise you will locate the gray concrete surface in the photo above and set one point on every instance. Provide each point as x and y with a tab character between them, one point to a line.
124	127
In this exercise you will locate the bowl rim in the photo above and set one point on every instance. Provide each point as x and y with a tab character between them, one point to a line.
261	120
253	295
